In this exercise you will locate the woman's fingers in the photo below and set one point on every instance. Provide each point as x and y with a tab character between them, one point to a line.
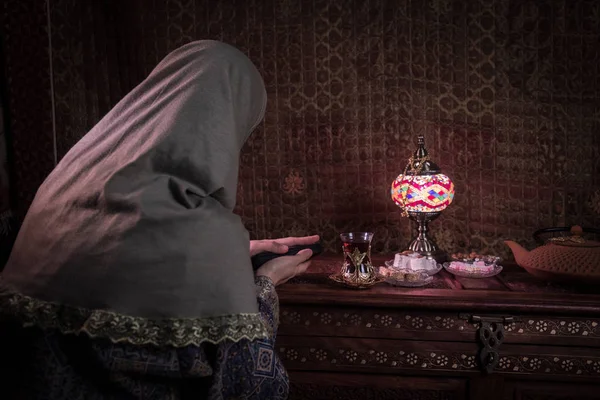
291	241
282	269
299	270
302	256
260	246
275	247
280	246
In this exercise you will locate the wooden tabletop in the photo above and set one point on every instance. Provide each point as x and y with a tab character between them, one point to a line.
512	290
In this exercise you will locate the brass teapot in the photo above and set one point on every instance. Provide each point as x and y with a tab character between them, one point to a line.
562	259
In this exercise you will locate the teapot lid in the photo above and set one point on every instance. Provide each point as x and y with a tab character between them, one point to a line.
575	240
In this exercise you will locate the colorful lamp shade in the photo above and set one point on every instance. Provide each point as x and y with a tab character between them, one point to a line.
423	193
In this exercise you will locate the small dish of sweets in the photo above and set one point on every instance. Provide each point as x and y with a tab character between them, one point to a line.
405	277
413	261
473	265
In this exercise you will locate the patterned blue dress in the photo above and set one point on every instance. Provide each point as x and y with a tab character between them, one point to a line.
82	368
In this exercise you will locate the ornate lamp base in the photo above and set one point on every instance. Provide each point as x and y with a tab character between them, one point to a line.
422	243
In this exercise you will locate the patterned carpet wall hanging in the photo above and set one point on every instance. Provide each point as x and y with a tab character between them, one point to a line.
506	93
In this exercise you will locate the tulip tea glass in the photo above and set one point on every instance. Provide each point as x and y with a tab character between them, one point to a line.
357	270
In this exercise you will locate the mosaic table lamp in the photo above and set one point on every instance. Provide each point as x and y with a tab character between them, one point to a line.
423	192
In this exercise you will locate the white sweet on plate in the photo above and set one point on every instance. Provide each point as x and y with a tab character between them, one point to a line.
413	262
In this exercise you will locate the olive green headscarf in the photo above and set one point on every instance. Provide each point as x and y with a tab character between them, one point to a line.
133	237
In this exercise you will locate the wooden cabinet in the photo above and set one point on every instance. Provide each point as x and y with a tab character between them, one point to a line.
327	386
507	337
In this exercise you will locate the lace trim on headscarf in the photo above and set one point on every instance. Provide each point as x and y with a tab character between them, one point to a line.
176	332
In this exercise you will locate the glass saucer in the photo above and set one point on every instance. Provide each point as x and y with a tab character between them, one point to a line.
390	264
337	278
473	273
422	279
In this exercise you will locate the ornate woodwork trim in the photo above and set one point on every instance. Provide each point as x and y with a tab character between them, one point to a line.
355	357
373	319
333	357
321	392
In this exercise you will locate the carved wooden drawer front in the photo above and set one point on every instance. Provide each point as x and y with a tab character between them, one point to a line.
426	325
307	386
443	342
549	391
390	356
381	355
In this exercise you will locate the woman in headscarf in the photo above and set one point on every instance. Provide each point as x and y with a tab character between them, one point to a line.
131	275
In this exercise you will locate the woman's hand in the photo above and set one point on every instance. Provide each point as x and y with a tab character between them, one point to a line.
279	246
282	269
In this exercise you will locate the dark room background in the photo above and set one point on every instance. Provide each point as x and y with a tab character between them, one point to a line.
506	92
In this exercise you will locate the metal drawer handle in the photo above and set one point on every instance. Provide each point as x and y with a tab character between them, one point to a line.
490	336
